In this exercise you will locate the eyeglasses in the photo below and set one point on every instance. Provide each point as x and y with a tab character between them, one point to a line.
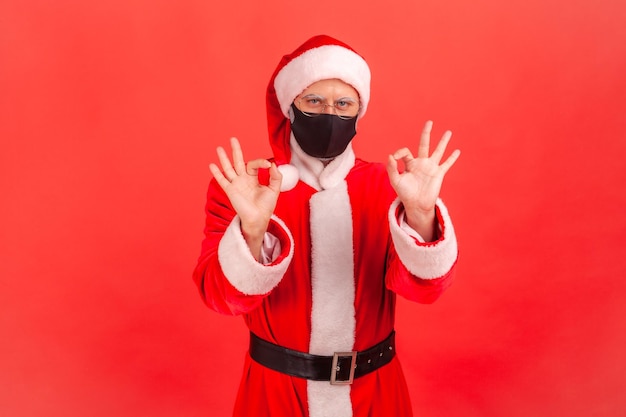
313	105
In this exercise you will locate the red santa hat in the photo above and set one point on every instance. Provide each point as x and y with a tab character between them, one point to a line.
319	58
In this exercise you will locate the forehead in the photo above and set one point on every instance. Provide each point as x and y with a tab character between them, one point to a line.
331	88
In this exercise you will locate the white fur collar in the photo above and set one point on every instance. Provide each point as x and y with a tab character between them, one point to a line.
313	172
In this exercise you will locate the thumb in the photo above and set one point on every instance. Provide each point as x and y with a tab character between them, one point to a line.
276	178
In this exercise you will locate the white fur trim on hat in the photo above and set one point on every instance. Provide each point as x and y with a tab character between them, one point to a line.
322	63
426	260
241	269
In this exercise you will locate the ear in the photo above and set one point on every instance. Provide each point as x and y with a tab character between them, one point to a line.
291	114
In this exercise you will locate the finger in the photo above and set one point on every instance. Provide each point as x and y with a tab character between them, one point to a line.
447	164
424	146
219	177
441	146
276	178
238	161
252	167
404	153
229	172
392	169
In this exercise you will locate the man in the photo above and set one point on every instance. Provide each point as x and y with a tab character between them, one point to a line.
313	246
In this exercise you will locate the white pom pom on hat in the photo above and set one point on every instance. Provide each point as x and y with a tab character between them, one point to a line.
290	176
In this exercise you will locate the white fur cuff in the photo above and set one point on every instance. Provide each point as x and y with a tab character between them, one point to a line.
425	260
241	269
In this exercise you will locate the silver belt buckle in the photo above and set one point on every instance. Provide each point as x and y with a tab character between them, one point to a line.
336	368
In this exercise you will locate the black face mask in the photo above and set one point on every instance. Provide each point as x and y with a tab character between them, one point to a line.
323	136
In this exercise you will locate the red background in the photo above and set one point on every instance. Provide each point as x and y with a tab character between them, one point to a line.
109	116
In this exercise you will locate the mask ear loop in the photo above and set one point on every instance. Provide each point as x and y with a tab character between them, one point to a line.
291	114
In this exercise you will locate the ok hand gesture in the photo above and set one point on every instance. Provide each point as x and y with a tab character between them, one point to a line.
253	202
418	186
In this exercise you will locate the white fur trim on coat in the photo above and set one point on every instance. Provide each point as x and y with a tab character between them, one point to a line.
428	260
333	321
241	269
321	63
327	400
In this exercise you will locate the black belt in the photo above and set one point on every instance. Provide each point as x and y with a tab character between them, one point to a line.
339	369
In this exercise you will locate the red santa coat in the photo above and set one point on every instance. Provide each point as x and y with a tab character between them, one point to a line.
343	257
343	260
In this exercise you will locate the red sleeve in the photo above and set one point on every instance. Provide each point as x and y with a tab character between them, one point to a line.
417	271
229	279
